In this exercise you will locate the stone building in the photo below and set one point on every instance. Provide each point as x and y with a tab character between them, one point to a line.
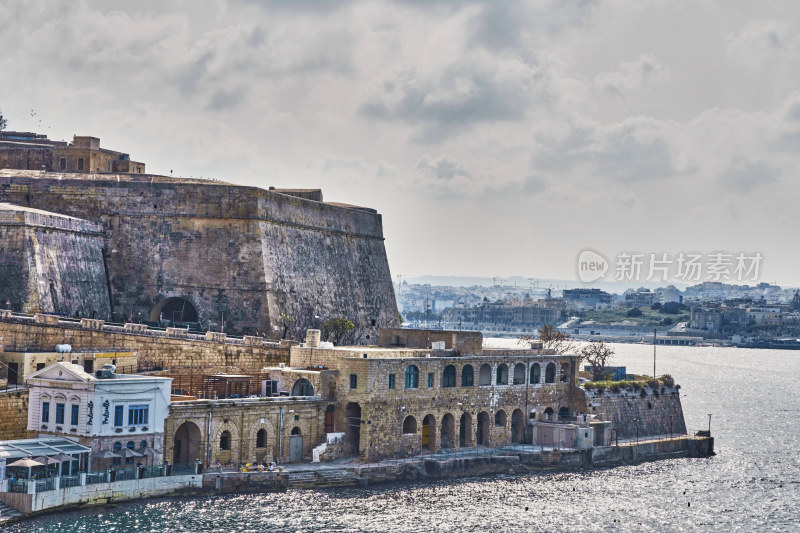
105	411
34	151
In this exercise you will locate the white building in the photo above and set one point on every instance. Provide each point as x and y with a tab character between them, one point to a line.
115	412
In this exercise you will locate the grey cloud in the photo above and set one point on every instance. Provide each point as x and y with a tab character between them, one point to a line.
223	100
533	184
191	76
745	176
441	168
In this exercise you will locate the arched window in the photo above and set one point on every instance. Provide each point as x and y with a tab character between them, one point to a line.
117	447
409	425
564	372
225	440
131	445
548	413
449	376
412	377
502	374
467	376
536	374
296	431
485	375
550	373
261	438
563	413
519	374
500	418
143	444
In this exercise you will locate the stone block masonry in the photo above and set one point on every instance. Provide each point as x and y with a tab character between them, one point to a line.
14	415
154	351
239	255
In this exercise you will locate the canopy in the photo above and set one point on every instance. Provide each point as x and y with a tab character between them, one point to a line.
26	463
47	460
106	454
131	453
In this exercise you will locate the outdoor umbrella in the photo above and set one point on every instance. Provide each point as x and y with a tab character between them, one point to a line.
26	463
106	454
132	453
64	458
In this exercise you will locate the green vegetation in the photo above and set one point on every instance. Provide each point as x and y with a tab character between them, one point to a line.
337	330
645	316
633	385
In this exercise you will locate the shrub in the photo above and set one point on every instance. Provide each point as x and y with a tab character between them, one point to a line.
615	389
635	312
652	383
668	380
643	394
636	386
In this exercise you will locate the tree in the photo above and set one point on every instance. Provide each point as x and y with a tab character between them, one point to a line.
337	330
597	354
287	321
553	338
3	121
399	319
635	312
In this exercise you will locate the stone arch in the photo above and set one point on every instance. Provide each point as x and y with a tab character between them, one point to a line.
429	432
187	443
352	430
253	452
465	430
449	376
563	413
174	309
302	387
223	456
482	430
467	376
500	419
519	374
485	375
564	372
409	425
536	374
550	373
517	427
447	437
548	414
502	374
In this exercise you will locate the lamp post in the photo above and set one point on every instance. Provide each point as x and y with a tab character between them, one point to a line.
637	430
709	424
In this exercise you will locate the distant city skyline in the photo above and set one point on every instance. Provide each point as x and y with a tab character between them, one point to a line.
495	138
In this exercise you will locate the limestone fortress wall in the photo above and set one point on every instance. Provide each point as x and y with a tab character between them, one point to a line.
245	255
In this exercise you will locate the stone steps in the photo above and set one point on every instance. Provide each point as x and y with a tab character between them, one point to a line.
322	478
7	512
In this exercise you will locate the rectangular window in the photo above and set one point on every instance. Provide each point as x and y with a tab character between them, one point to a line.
138	414
80	163
119	413
430	380
62	164
73	417
59	413
353	381
391	381
45	412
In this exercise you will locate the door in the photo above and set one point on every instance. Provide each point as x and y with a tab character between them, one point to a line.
296	448
426	435
13	371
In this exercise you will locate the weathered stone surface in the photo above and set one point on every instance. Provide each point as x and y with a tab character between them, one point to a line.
241	255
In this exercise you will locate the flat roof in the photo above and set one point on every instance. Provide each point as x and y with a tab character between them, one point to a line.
12	450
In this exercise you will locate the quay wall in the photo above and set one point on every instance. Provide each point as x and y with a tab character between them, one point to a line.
100	493
153	350
657	413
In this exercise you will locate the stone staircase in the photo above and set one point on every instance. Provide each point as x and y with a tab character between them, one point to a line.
322	478
7	512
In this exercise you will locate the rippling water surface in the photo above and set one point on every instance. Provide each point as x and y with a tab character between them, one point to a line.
753	484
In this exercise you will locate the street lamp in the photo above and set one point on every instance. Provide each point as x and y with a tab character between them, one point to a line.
709	424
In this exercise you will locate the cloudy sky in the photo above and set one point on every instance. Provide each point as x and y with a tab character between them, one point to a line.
496	138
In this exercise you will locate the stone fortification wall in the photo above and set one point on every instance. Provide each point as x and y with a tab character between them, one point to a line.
51	263
154	349
466	342
652	414
14	419
239	254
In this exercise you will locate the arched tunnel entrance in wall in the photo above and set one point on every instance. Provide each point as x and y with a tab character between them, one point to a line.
174	311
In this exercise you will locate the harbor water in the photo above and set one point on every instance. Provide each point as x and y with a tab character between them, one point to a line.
752	484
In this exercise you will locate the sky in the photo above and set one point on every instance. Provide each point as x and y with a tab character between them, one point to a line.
496	138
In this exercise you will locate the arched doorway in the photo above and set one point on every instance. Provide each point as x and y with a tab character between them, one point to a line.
517	427
352	432
428	432
186	446
550	373
482	432
172	311
302	387
464	430
329	412
296	445
448	435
